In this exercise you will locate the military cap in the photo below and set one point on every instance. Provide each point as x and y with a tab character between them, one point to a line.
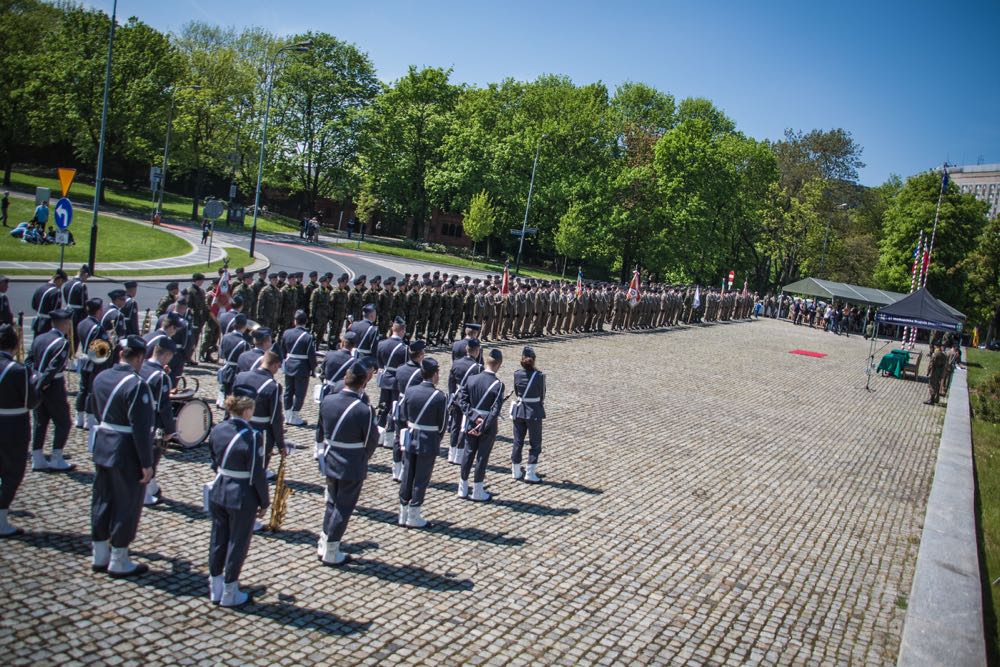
313	274
399	320
325	278
496	354
368	362
239	271
417	345
406	276
391	280
134	343
129	284
85	268
349	336
474	326
240	320
359	367
198	276
261	333
165	343
96	302
60	274
272	276
473	342
117	294
237	300
172	319
368	309
60	314
528	352
172	286
282	274
343	278
427	274
359	281
476	281
466	278
375	279
245	391
363	277
182	301
429	365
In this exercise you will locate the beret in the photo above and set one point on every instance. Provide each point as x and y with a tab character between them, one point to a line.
325	278
343	278
282	274
129	284
245	391
197	276
172	285
271	276
359	281
313	274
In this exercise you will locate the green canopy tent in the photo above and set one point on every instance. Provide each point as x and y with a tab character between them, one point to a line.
829	290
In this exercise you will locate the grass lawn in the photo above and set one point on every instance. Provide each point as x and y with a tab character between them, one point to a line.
440	258
237	257
117	240
986	451
138	203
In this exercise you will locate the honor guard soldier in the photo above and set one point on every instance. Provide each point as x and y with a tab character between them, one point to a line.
6	314
74	295
386	306
268	416
250	360
182	336
88	332
130	311
18	396
49	352
346	438
355	302
337	361
527	413
408	375
424	411
244	291
237	496
233	345
226	318
300	362
123	460
480	400
308	290
112	320
458	349
461	370
47	298
167	300
155	372
366	331
392	353
171	325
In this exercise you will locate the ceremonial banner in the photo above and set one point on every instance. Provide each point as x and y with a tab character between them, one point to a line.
505	285
579	282
633	289
220	302
697	297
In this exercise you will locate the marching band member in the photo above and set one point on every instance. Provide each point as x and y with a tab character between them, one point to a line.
47	298
527	413
267	416
155	371
130	310
49	352
226	318
366	331
232	345
112	319
461	370
250	360
6	314
88	331
182	336
347	435
391	354
479	400
425	412
238	495
123	460
18	395
407	375
300	362
167	327
74	296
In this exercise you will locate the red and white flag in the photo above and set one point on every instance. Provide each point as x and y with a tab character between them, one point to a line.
220	302
579	282
745	289
633	289
505	285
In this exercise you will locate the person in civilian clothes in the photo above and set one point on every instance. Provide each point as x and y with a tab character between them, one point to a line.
366	331
74	296
237	497
300	362
480	400
49	352
156	374
123	460
268	416
425	413
250	360
6	314
232	345
89	331
461	370
18	396
130	310
392	353
346	437
47	298
408	375
527	413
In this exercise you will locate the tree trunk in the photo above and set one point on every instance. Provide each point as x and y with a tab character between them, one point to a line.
8	167
199	177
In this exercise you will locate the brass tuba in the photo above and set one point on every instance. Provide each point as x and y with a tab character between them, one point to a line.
99	351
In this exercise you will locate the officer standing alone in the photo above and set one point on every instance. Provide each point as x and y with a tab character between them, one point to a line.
527	413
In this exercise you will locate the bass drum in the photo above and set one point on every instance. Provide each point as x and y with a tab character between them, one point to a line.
194	422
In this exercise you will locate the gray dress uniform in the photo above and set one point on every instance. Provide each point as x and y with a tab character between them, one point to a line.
249	360
237	493
74	296
268	417
46	298
424	410
527	414
392	353
130	317
122	447
481	396
461	370
300	362
157	378
231	348
335	366
367	334
18	395
88	331
407	375
346	434
460	349
49	352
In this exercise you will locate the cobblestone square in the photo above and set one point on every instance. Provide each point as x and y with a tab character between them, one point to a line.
708	498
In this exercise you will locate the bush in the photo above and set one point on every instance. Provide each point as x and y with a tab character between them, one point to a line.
986	400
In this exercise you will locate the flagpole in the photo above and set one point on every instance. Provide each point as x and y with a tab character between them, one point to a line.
937	216
917	261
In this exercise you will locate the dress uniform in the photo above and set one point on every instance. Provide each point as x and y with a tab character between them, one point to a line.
238	494
407	375
130	310
122	443
157	378
459	347
268	416
424	412
386	306
198	313
269	304
461	370
18	396
527	413
390	355
346	437
226	319
47	298
49	352
233	345
354	300
300	361
88	331
936	366
6	314
338	307
250	360
366	332
173	326
480	398
336	362
74	296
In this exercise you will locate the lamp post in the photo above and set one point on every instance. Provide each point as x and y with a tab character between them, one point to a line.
166	147
99	180
300	46
826	239
524	225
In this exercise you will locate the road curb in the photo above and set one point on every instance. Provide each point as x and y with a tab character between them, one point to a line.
262	263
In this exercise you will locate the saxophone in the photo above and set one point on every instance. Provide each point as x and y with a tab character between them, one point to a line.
279	506
145	324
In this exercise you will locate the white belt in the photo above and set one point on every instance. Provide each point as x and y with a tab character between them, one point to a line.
297	356
13	411
260	420
43	316
234	474
528	400
344	445
75	307
422	427
57	376
481	413
230	363
389	369
364	351
115	427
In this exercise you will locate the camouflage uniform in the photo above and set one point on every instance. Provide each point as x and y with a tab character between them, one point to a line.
338	312
319	309
268	307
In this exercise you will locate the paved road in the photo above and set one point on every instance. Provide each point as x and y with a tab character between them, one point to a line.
709	499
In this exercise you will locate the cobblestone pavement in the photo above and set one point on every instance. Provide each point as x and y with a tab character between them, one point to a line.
708	498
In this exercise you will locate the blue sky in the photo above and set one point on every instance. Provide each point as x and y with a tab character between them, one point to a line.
914	82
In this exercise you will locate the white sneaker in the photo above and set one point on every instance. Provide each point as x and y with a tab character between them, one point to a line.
321	545
102	556
404	515
530	476
479	494
121	565
38	461
332	555
414	519
397	471
81	418
232	596
516	471
220	402
463	488
215	587
58	463
294	419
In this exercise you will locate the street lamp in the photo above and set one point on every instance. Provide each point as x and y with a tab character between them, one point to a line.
99	180
524	225
300	47
166	147
826	239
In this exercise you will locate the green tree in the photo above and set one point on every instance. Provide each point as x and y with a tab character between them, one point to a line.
983	267
479	219
959	228
366	205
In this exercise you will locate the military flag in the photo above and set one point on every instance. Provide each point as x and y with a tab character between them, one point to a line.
505	285
633	289
220	301
697	298
579	282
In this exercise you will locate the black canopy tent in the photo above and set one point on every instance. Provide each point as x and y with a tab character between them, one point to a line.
922	310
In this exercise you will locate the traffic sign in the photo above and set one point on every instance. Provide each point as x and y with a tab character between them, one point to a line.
62	237
66	176
213	209
155	176
63	213
232	191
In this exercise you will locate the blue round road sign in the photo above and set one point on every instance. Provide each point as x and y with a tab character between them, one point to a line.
63	213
